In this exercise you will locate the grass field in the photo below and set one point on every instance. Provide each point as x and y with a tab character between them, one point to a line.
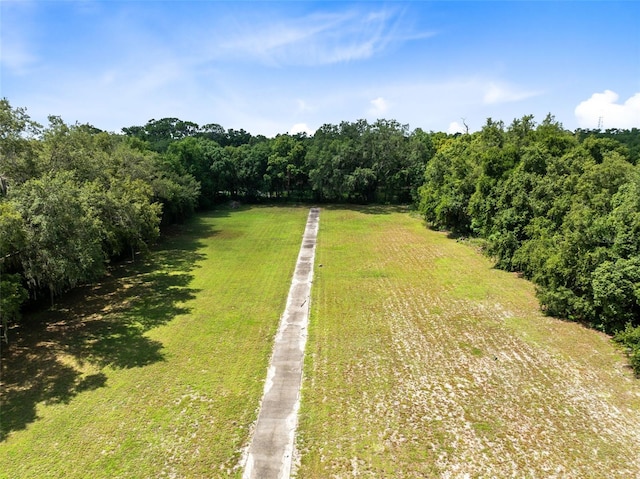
158	371
422	361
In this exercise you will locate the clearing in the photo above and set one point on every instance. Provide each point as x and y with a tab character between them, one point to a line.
422	361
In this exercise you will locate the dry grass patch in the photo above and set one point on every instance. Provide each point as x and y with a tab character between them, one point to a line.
424	361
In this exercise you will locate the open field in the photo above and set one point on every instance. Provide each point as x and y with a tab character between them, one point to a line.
424	361
158	371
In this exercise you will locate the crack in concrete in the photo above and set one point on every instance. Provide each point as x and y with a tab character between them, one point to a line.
270	452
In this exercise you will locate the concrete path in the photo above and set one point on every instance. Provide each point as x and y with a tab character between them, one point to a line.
271	448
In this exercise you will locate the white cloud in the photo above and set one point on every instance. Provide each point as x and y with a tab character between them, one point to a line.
379	106
603	108
455	127
300	128
500	93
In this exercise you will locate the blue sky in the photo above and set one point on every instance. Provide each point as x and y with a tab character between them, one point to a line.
277	67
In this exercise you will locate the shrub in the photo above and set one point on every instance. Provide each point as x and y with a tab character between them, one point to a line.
630	339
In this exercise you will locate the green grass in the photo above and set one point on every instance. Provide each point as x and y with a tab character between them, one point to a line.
157	371
425	361
422	361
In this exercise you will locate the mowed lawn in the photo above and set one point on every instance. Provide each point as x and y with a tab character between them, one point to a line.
424	361
158	371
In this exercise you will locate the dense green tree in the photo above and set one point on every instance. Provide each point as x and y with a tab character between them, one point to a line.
237	137
197	157
223	170
75	148
420	150
629	139
161	133
616	292
12	242
72	198
214	132
385	145
18	145
286	170
251	164
62	247
12	233
12	295
449	183
178	195
630	339
562	211
128	219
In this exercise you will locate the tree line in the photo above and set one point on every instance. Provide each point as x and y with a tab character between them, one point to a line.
560	207
349	162
73	199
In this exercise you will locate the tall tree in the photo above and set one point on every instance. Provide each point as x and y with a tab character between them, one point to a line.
62	247
18	145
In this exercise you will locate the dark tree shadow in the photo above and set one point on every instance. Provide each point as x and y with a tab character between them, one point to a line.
371	209
102	325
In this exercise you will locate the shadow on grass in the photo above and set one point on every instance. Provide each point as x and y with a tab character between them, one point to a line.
97	326
372	209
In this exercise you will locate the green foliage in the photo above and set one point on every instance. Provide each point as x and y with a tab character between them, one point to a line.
627	139
18	149
616	291
353	162
562	209
12	295
128	218
161	133
12	233
449	185
74	197
178	195
630	339
62	247
12	241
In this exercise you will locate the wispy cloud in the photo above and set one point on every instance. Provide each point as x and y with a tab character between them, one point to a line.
303	106
502	93
18	55
321	38
115	64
